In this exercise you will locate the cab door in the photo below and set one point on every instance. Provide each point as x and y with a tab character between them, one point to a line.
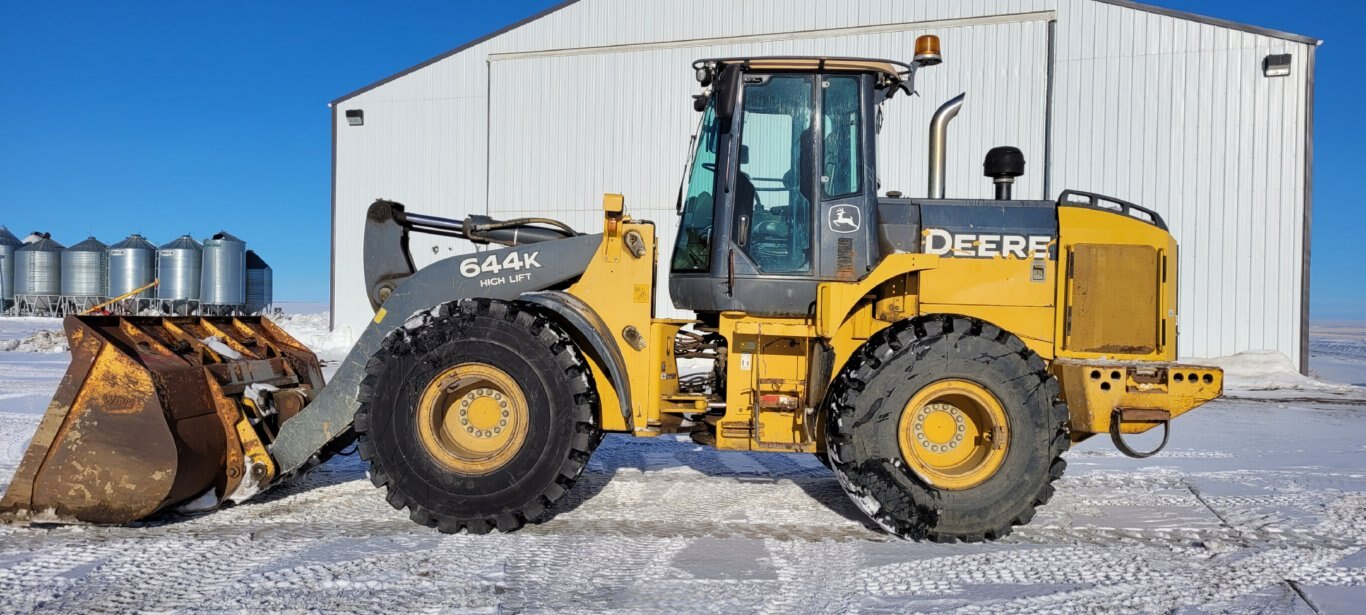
846	219
775	188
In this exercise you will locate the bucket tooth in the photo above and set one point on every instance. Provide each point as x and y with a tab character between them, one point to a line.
156	412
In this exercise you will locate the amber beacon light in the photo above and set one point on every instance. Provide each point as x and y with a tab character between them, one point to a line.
927	50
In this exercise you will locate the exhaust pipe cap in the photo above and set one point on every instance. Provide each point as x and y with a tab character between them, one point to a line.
1003	165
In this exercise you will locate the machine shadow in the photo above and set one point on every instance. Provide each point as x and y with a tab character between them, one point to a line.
340	469
619	453
615	455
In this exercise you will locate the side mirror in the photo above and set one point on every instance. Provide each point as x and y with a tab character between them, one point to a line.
727	90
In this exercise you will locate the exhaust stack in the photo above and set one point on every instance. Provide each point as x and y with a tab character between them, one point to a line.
939	146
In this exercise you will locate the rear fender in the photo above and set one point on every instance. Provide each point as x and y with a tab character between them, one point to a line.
591	333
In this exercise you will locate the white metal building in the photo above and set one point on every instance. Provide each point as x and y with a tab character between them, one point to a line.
1176	112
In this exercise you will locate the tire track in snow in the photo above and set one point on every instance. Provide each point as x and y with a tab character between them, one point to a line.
665	525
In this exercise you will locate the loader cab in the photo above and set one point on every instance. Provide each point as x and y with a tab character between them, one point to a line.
781	190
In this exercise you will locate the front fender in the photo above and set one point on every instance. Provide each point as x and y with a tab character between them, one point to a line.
588	329
329	415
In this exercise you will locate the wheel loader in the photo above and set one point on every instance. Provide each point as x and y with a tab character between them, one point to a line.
940	355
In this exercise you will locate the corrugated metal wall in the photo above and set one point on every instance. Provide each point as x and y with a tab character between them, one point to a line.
560	149
594	98
1178	116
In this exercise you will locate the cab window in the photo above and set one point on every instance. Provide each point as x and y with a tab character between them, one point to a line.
774	189
692	250
842	172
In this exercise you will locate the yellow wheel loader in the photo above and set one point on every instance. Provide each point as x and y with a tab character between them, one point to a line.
939	354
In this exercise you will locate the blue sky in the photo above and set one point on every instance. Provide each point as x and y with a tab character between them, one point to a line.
166	118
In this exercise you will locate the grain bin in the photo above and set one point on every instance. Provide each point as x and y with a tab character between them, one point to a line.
38	268
85	269
9	244
260	284
178	265
132	265
224	280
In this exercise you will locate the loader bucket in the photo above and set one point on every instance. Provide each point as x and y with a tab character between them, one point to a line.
158	412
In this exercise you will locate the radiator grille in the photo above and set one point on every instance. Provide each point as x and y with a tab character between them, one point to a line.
1112	302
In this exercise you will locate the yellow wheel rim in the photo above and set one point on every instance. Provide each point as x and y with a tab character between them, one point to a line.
472	418
954	434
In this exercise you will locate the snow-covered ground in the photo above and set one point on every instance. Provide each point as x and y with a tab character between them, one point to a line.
1258	505
1337	352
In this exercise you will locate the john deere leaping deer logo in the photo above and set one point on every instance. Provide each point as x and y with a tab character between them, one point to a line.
845	219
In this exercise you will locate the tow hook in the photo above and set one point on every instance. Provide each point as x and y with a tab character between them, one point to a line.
1139	415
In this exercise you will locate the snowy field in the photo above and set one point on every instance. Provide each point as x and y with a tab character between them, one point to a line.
1258	505
1337	351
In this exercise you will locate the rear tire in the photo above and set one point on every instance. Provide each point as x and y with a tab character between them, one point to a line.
458	466
980	380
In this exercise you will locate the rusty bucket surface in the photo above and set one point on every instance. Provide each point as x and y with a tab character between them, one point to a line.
158	412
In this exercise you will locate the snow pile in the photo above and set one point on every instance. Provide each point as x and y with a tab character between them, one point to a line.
217	345
312	330
18	327
1268	370
49	341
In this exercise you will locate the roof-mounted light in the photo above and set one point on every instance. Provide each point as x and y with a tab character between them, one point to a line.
927	51
704	75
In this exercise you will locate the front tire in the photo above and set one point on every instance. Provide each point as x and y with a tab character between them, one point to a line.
480	416
947	428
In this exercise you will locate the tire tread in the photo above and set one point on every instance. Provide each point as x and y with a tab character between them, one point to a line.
900	513
435	327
